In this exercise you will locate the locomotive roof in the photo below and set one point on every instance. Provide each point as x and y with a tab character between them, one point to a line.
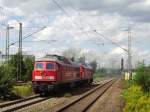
86	65
59	59
63	60
51	58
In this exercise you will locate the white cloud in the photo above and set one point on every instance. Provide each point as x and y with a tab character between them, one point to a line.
13	23
110	18
118	51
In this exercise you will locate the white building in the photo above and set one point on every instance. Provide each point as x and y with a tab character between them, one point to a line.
3	57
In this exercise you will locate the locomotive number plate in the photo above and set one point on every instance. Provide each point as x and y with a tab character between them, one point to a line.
38	77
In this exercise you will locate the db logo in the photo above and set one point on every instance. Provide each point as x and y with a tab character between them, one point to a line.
43	74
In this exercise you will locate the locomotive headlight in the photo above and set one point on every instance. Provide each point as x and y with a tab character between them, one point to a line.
50	77
38	77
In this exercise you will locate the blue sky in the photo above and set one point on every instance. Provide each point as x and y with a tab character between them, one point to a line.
73	27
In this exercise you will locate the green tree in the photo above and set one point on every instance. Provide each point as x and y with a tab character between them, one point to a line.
94	65
142	77
8	73
29	62
6	79
14	62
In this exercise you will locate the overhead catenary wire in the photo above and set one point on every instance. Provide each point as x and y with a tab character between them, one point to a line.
33	27
3	16
46	41
59	6
72	21
77	10
115	43
42	28
26	36
71	5
81	29
63	11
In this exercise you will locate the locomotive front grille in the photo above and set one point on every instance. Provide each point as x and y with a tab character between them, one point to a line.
44	77
38	77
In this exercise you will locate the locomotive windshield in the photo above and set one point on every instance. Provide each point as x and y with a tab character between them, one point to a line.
39	66
49	66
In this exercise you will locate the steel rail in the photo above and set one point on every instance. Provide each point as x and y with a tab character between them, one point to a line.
105	86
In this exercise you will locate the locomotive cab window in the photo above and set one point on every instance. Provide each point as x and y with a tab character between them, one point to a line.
50	66
39	66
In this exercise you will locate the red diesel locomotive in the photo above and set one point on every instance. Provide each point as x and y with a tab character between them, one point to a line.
53	70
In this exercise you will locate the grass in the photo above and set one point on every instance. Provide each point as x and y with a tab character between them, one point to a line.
97	76
23	90
136	100
137	91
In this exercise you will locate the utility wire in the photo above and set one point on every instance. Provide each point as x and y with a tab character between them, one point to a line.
56	3
2	16
59	6
63	10
32	27
92	30
46	41
29	35
2	24
71	5
110	40
33	33
47	26
99	33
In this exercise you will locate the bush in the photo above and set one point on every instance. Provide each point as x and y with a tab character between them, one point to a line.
142	77
9	71
136	95
6	79
23	90
29	63
136	100
14	62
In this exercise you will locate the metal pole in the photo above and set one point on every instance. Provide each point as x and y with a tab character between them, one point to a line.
20	50
6	47
129	51
122	64
7	40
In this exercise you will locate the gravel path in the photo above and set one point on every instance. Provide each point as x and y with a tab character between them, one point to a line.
83	103
39	107
111	101
55	102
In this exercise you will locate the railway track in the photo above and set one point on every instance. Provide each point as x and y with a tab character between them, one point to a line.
84	102
22	103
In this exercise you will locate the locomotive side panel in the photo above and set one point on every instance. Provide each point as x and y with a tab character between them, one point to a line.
70	74
58	73
86	73
82	72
